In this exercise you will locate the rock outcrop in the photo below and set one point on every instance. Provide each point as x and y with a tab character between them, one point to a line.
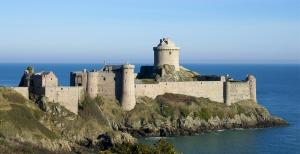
171	114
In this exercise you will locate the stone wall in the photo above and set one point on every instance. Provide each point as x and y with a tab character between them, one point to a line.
237	91
207	89
107	84
78	79
24	91
68	97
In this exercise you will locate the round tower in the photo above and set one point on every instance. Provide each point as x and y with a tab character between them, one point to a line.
128	88
92	84
166	52
252	85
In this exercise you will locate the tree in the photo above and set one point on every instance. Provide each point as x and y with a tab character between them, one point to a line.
29	69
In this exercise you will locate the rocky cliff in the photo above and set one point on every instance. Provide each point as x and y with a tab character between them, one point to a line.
171	114
102	124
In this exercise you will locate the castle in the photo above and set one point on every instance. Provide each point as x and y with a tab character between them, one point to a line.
121	83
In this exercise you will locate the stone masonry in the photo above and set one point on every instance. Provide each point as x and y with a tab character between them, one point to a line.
120	82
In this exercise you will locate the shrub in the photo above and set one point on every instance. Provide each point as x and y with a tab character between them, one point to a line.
240	110
164	147
29	69
184	111
167	110
160	147
204	113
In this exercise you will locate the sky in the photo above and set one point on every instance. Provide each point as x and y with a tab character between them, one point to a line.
119	31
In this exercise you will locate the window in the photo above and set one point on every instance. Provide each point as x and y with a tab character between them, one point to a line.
170	52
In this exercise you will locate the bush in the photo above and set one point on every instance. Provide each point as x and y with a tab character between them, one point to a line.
184	112
167	110
160	147
240	110
204	113
164	147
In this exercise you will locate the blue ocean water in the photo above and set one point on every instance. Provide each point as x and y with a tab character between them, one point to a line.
278	89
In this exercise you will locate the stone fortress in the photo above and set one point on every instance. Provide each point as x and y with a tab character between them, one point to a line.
121	83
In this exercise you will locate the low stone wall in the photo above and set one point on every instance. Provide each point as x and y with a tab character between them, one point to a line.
68	97
207	89
24	91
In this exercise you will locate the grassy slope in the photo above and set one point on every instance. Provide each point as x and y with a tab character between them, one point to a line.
20	118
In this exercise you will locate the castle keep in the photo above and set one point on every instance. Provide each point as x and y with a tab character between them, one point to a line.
121	83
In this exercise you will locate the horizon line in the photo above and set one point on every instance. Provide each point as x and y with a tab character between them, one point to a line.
120	63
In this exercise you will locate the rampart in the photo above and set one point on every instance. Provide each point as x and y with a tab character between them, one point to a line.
68	97
236	91
207	89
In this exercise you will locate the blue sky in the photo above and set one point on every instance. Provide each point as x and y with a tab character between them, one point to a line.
208	31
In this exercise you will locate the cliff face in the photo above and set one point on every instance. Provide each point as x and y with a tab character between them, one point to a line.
101	122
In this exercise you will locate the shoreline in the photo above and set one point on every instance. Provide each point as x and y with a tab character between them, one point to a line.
165	132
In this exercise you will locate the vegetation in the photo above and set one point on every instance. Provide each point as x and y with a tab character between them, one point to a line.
20	118
11	96
14	146
174	114
160	147
29	69
181	105
57	128
148	81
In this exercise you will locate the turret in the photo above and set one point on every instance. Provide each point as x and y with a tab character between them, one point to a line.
166	52
252	85
92	84
128	88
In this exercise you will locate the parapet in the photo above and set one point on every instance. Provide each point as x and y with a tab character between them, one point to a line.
128	66
166	44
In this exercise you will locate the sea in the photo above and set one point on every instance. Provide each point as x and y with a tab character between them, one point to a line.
278	89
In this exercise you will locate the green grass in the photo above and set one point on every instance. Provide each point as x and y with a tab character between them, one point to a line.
160	147
13	146
11	96
19	116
